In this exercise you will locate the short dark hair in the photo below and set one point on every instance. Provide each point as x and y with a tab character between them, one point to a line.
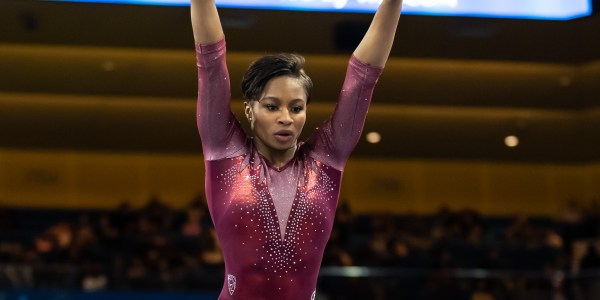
268	67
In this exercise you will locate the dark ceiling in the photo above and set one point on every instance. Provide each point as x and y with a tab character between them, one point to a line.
122	78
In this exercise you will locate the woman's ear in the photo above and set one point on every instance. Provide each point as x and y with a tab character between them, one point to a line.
248	111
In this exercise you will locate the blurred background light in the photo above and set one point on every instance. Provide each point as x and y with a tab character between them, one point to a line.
373	137
511	141
527	9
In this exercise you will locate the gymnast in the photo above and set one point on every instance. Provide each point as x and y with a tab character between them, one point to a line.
271	197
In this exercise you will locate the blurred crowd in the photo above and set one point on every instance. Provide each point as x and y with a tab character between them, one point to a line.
447	255
152	248
463	255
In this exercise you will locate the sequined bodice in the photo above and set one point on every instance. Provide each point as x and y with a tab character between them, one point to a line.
272	224
246	218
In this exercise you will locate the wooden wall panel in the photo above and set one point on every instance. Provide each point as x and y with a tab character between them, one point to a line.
103	180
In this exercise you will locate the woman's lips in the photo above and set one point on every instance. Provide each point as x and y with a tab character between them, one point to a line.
284	135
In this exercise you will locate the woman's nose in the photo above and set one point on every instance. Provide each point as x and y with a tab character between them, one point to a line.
285	117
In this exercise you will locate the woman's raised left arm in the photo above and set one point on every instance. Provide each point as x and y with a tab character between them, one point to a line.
375	47
334	141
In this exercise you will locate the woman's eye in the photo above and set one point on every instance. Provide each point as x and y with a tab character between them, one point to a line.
297	109
271	107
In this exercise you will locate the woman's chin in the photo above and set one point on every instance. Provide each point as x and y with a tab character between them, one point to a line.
282	147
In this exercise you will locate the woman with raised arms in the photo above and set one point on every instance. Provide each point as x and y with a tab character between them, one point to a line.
271	197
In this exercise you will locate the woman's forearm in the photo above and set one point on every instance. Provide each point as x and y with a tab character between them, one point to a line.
376	45
205	22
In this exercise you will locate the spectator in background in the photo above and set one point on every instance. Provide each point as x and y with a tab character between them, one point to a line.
94	277
212	260
118	273
192	227
572	213
344	222
55	242
591	224
158	213
108	235
401	255
520	230
378	254
125	218
138	274
590	266
85	242
591	260
211	253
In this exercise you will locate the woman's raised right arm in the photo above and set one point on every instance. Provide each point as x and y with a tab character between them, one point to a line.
220	132
205	22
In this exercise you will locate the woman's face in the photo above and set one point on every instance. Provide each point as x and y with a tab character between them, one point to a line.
278	117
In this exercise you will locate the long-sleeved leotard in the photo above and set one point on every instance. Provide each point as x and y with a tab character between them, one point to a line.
273	224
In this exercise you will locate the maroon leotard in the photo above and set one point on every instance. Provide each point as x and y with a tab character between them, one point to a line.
273	224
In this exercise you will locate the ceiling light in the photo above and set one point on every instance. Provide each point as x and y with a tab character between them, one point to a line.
373	137
511	141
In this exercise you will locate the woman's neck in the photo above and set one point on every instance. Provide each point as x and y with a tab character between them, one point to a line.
277	158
